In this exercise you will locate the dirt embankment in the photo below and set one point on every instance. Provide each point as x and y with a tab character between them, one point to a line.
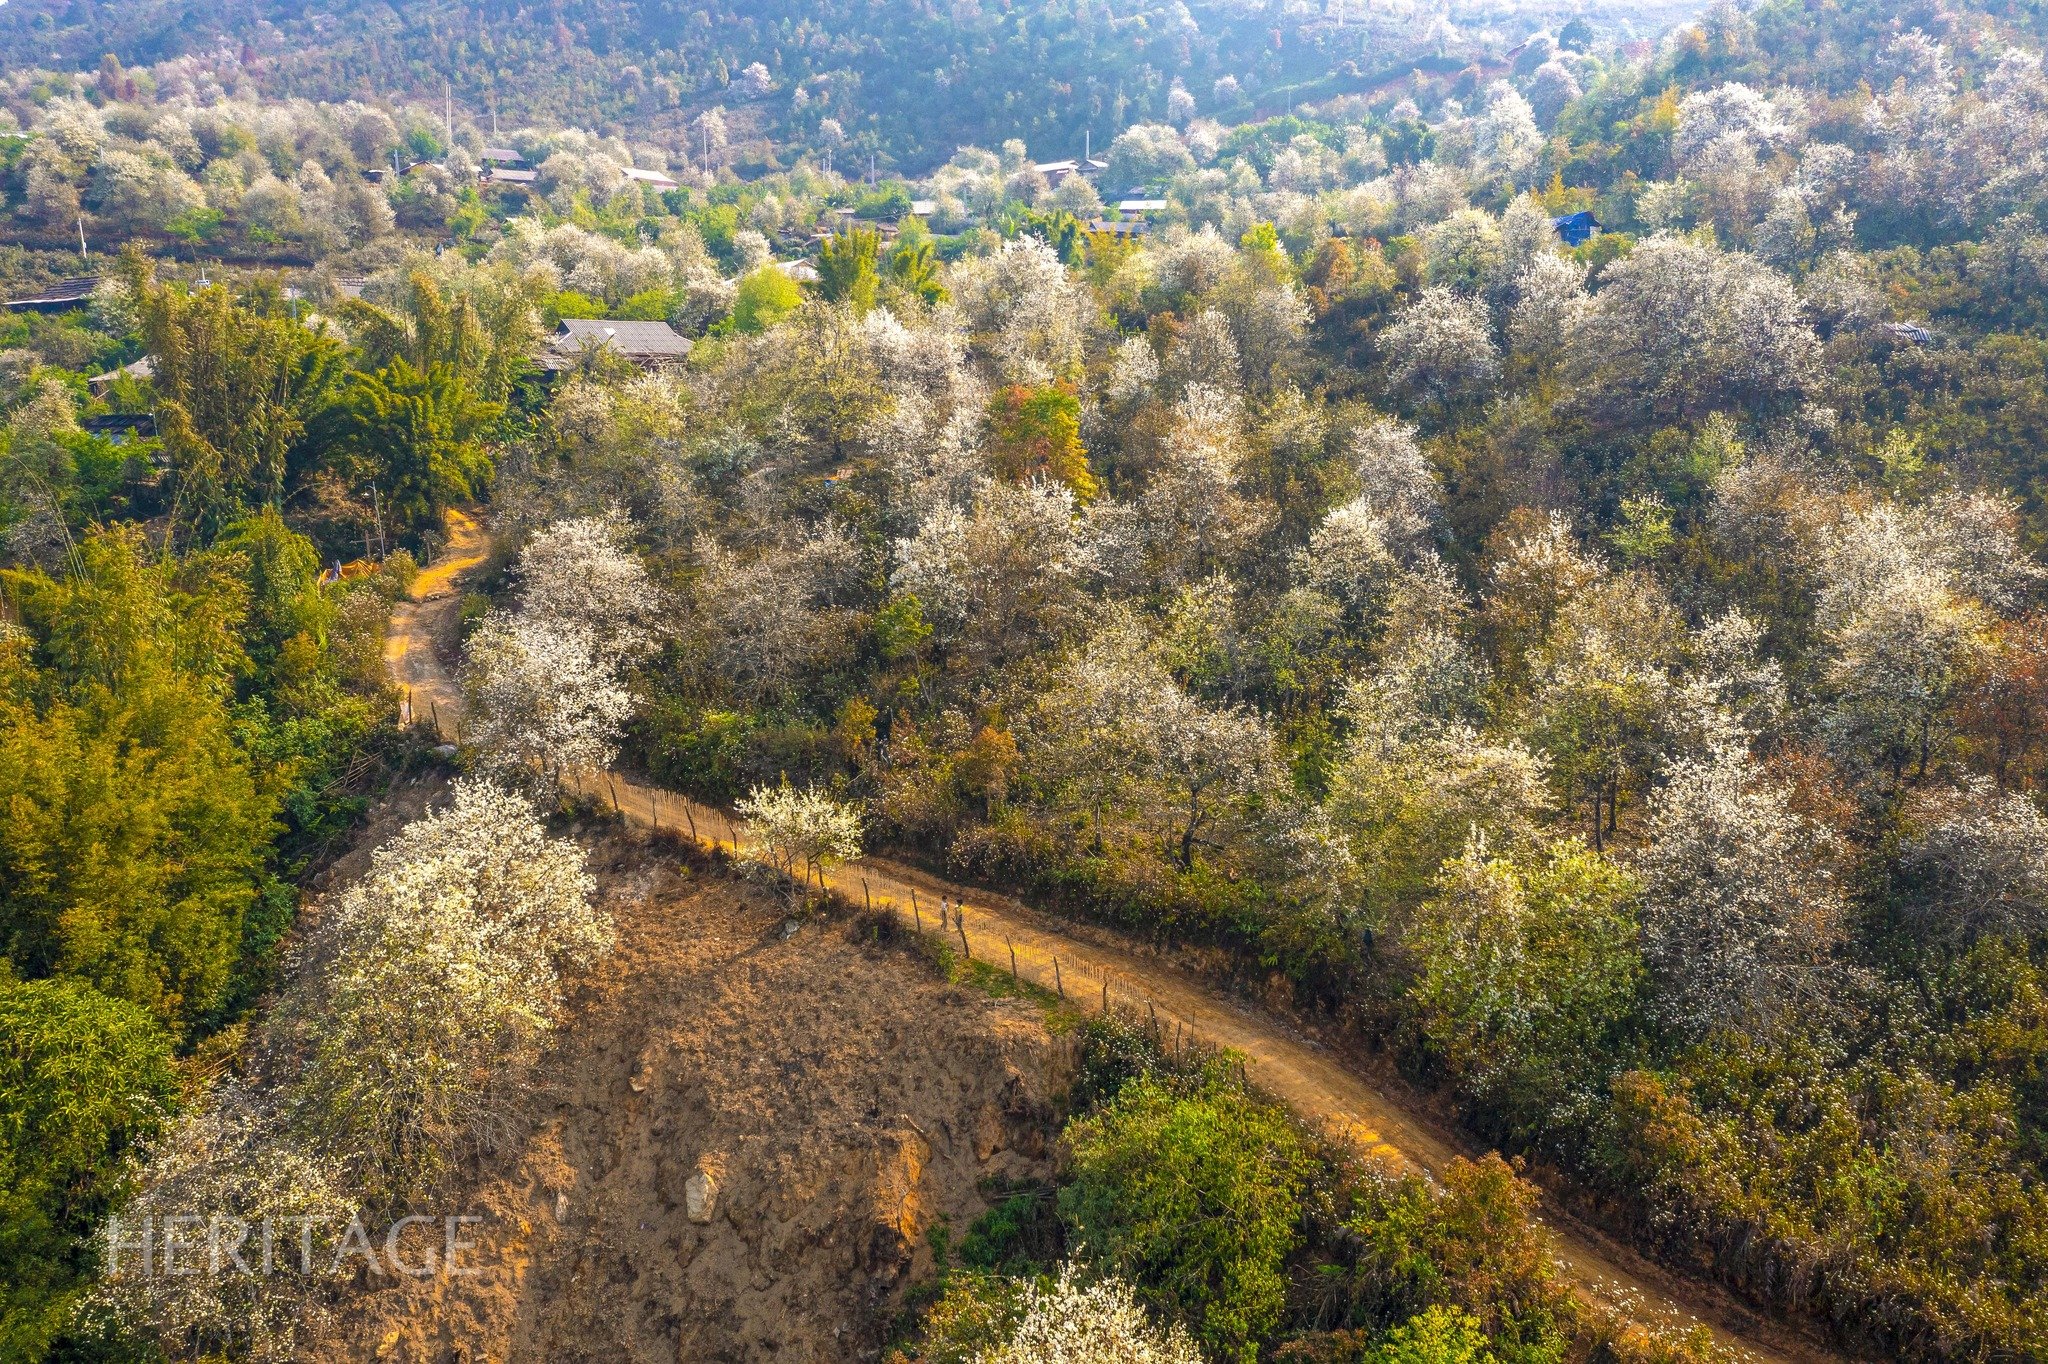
737	1147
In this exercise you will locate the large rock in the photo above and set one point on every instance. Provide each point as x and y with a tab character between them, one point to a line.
700	1190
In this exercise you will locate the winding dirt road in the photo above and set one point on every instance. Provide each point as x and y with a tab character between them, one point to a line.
1091	969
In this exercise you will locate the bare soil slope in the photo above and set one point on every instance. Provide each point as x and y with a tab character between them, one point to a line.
737	1146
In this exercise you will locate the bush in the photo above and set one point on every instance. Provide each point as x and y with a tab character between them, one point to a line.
1195	1197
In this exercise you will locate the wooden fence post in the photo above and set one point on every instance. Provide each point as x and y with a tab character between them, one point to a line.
1013	958
965	950
866	897
1059	986
918	912
1105	995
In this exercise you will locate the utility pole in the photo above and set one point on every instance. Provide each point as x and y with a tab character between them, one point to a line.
82	254
448	116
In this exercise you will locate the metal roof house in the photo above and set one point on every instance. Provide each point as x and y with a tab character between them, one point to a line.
98	384
504	156
649	177
1576	229
61	297
644	343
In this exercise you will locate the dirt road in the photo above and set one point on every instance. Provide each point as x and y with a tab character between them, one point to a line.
1093	970
426	622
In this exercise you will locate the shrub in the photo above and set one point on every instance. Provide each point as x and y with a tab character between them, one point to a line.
1195	1197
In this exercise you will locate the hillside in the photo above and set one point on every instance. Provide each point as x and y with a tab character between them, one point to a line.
841	1100
906	82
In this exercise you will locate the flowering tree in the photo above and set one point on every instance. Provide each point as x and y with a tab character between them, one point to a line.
1979	860
208	1254
545	679
1679	330
1441	348
437	969
544	706
1740	904
1069	1321
802	831
577	577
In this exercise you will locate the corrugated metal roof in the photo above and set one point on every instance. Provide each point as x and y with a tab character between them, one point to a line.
65	293
633	340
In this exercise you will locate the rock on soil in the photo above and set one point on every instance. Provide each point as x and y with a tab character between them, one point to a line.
738	1146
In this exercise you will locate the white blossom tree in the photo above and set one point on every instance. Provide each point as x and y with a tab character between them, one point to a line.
545	679
1741	908
802	832
227	1187
1979	856
1679	330
1026	313
1072	1321
1441	348
430	976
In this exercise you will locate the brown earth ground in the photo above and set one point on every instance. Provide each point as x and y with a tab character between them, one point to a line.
832	1100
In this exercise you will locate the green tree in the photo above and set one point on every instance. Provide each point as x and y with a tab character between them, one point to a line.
1440	1335
1528	974
415	437
484	330
236	386
83	1078
1196	1196
133	829
764	298
847	266
914	263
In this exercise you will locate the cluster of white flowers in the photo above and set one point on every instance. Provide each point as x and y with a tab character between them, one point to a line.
546	680
1070	1321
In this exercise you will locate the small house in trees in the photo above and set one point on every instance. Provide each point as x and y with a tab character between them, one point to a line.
121	428
99	384
66	295
1140	208
501	175
502	156
646	344
1576	229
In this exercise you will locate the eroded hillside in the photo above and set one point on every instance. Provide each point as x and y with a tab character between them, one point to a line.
737	1148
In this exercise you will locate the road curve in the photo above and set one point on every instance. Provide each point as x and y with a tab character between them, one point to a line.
1095	969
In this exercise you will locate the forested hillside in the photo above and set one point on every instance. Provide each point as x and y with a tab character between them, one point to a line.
907	82
1536	565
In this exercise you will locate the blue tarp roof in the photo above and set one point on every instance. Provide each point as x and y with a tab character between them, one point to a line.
1576	228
